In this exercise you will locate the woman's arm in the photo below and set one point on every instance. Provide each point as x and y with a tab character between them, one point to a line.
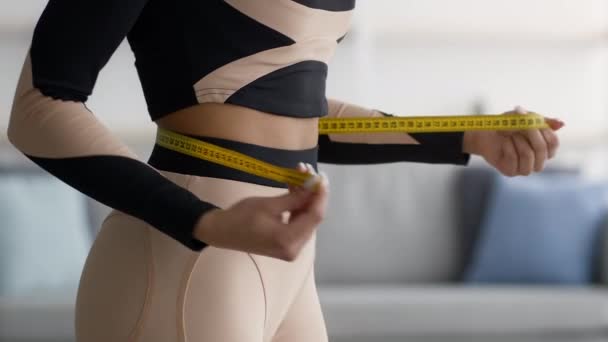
436	148
50	124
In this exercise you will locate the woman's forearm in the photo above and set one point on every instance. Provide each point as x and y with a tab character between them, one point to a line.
339	109
375	148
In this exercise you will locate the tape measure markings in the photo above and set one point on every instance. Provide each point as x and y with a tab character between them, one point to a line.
431	124
226	157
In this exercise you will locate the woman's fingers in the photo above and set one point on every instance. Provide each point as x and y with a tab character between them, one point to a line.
550	136
303	168
520	110
309	216
510	165
551	140
262	225
525	155
517	110
543	142
303	222
539	148
555	124
290	201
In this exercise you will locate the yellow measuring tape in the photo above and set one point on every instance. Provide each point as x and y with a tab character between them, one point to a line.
226	157
424	124
431	124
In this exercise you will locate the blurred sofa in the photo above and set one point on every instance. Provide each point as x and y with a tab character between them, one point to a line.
391	257
391	254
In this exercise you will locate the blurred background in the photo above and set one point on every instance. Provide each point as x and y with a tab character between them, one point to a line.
409	252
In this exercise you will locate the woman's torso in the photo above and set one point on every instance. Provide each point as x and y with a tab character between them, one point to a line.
245	70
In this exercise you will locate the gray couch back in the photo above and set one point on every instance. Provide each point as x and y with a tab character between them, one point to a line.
391	224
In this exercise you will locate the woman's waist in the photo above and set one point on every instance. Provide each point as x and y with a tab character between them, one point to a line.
246	125
167	159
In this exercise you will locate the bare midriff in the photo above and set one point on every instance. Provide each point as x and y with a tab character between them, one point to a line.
243	124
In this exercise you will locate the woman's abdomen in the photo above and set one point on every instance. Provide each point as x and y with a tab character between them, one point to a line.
245	125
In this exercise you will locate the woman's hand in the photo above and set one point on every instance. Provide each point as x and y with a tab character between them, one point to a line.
260	226
515	153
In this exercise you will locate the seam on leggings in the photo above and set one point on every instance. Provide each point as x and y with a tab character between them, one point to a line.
185	286
143	315
307	274
181	297
257	267
300	289
294	298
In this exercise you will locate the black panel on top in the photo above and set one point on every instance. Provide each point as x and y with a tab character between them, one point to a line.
297	90
329	5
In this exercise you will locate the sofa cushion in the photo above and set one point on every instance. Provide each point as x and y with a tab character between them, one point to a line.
453	310
474	189
540	229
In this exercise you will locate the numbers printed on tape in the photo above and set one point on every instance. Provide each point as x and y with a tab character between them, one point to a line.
429	124
226	157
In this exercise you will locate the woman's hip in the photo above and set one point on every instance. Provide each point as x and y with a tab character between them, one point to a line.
139	284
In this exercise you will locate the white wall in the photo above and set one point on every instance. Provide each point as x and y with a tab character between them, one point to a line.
419	78
439	57
514	17
521	19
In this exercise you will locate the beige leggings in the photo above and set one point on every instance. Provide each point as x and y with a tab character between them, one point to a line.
139	285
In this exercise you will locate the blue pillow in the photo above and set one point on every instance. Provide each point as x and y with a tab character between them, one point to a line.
43	235
540	229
